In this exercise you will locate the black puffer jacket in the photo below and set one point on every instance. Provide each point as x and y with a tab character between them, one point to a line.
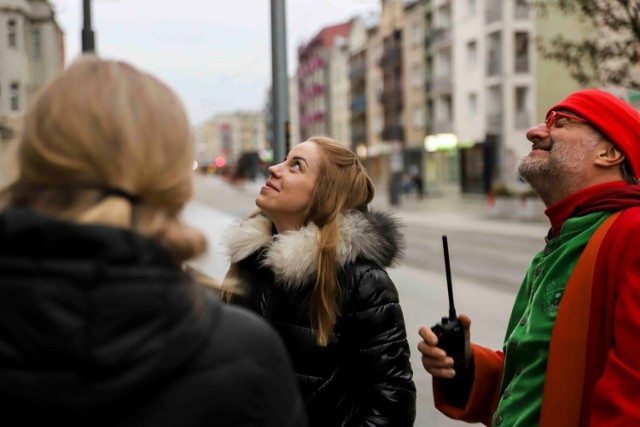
363	377
98	329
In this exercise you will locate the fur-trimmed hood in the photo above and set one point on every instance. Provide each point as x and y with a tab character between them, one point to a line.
374	236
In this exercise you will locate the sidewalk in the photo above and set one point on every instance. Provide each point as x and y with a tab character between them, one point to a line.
470	212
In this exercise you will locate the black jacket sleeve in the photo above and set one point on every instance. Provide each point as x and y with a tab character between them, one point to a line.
381	353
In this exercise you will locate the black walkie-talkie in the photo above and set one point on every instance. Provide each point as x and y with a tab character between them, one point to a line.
450	331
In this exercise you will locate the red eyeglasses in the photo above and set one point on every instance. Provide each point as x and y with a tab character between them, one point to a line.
554	115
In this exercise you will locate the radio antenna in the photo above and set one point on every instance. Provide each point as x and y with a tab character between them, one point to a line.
452	308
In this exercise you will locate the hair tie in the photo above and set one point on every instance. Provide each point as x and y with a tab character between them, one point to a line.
118	192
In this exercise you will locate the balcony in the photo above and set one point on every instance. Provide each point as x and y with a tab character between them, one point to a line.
391	98
428	84
391	57
442	35
443	126
358	133
393	133
428	40
359	104
357	72
443	83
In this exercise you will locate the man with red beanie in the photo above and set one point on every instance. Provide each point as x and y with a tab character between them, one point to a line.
570	354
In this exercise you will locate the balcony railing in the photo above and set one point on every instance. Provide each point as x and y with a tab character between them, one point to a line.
443	83
391	57
443	126
359	104
358	134
428	40
393	132
357	72
442	34
392	97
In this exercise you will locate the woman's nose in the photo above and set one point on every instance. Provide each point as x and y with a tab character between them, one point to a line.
274	169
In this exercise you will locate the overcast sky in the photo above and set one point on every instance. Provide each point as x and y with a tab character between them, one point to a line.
215	53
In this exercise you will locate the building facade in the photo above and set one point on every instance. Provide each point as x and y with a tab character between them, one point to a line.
31	52
323	84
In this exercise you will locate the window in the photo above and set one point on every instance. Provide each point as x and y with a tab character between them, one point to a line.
416	33
443	16
418	117
15	96
12	33
445	110
494	53
416	75
444	63
522	108
472	104
36	43
471	7
522	9
472	54
522	52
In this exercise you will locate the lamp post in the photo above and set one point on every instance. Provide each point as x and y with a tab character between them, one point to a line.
88	41
280	92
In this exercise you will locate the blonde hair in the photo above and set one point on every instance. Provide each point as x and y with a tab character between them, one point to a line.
343	184
104	125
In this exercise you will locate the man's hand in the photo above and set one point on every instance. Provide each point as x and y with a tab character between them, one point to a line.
434	359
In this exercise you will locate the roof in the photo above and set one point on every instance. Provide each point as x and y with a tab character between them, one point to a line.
328	34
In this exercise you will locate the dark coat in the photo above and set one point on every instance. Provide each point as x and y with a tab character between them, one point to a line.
363	376
98	328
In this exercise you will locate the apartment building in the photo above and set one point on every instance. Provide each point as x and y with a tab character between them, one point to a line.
486	85
227	137
323	84
31	52
358	86
413	82
376	156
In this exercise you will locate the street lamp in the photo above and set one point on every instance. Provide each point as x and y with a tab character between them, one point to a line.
280	92
88	41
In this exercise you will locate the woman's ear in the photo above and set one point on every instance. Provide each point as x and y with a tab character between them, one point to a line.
609	155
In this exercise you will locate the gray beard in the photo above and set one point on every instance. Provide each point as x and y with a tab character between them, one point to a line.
553	178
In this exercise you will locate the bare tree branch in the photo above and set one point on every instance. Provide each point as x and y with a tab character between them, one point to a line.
608	56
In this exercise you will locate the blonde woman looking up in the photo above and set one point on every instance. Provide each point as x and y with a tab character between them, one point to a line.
99	323
312	262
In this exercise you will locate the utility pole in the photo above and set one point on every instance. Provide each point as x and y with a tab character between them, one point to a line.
88	42
279	78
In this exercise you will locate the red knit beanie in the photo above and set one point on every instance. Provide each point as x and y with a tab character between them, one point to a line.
618	121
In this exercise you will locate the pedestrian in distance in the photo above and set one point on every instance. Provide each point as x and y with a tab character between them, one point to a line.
99	323
312	262
569	356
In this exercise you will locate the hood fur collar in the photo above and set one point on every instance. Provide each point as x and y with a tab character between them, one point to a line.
292	255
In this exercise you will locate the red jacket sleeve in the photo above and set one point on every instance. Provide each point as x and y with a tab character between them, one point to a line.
484	391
